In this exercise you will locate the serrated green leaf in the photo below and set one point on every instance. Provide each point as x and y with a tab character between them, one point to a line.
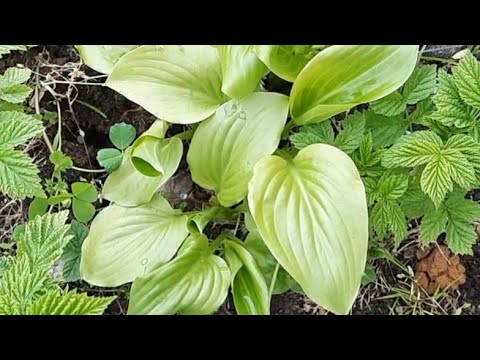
16	128
122	135
225	148
103	58
451	109
125	243
466	77
433	224
415	202
241	70
385	130
391	105
344	76
44	238
18	175
387	216
313	134
73	251
15	94
420	85
20	285
14	76
110	159
70	302
195	282
62	162
324	255
250	291
353	126
392	187
285	61
413	150
180	84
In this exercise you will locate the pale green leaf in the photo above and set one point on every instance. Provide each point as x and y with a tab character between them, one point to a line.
18	175
466	77
125	243
250	291
311	211
241	69
103	58
285	61
225	148
195	282
344	76
128	187
176	83
70	302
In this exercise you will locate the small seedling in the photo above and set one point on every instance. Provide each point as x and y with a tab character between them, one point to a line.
121	136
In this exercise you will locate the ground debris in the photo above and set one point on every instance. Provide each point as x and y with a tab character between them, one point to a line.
439	269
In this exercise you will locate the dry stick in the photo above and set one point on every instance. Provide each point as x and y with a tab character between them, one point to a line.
44	134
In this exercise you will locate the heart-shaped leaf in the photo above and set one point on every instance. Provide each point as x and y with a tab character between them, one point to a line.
195	282
125	243
344	76
225	148
103	58
311	211
177	83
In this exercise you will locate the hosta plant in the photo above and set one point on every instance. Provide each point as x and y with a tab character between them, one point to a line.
305	210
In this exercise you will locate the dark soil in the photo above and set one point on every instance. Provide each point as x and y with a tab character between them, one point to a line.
85	131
